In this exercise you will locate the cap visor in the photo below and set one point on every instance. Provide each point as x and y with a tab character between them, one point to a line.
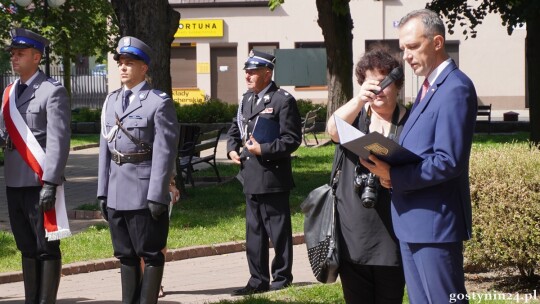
127	55
17	46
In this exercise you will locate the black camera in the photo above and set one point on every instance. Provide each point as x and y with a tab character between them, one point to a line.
369	183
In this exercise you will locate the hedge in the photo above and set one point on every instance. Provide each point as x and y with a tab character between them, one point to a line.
505	193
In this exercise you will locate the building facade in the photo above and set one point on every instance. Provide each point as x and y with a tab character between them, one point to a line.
215	36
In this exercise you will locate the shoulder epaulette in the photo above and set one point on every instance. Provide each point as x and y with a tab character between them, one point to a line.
283	92
54	81
115	91
161	94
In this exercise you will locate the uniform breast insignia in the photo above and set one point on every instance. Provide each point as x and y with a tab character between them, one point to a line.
54	81
267	111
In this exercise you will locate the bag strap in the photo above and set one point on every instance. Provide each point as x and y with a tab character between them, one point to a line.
334	180
144	146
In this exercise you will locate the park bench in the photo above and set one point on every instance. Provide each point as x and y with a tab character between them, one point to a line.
202	149
308	125
483	116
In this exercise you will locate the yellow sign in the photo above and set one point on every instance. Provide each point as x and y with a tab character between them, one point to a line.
203	68
199	28
188	96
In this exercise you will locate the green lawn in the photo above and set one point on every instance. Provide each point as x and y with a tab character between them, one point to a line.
215	214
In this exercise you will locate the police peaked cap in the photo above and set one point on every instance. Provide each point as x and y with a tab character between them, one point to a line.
258	60
134	48
25	39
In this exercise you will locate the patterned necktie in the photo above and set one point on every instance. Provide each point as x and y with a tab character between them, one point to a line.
425	87
20	89
125	104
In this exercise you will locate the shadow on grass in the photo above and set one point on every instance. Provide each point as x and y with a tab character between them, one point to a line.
519	137
208	206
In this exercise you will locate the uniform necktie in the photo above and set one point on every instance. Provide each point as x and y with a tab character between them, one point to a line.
125	104
425	87
254	101
20	89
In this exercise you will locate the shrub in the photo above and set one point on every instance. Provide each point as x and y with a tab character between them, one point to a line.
85	115
505	192
210	111
215	110
306	105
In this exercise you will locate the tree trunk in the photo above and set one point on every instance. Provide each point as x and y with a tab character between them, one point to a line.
154	22
336	24
532	47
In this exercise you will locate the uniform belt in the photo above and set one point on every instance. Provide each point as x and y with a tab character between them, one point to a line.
131	157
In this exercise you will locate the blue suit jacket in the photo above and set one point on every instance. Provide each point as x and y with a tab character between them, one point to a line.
431	200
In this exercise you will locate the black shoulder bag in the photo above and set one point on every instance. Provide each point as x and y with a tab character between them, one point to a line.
320	228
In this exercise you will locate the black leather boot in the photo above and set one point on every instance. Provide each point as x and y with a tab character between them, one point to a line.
131	279
31	278
151	284
51	270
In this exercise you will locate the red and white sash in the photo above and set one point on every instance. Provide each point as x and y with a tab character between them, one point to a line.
55	220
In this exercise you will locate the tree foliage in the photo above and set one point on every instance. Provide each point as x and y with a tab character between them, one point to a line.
77	28
513	13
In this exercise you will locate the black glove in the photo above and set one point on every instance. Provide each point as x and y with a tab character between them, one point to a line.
156	209
47	196
102	203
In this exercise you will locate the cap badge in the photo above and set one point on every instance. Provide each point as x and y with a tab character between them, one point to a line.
251	54
127	41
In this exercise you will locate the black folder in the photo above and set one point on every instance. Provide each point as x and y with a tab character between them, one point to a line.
374	143
265	130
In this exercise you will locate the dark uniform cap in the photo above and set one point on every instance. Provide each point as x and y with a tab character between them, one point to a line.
258	60
25	39
134	48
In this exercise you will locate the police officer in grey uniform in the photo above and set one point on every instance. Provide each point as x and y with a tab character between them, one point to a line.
44	106
266	173
136	159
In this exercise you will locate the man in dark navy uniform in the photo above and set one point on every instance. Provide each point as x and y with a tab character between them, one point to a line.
43	104
266	174
136	159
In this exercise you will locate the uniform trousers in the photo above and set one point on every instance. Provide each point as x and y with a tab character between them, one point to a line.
268	216
135	234
371	283
433	271
26	221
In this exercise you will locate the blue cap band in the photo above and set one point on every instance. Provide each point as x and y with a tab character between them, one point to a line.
28	41
135	51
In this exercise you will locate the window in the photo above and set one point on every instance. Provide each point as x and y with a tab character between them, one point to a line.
304	66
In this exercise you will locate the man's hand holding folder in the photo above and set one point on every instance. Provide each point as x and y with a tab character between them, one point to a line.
264	131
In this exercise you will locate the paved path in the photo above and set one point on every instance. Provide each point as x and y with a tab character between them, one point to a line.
193	280
198	280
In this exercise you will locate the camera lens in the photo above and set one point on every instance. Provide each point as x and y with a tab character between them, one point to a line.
371	186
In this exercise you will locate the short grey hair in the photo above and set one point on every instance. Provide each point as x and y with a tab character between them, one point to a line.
433	24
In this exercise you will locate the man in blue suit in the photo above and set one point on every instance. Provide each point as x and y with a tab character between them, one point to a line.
431	204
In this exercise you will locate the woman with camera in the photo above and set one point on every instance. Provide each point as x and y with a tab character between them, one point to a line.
371	269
